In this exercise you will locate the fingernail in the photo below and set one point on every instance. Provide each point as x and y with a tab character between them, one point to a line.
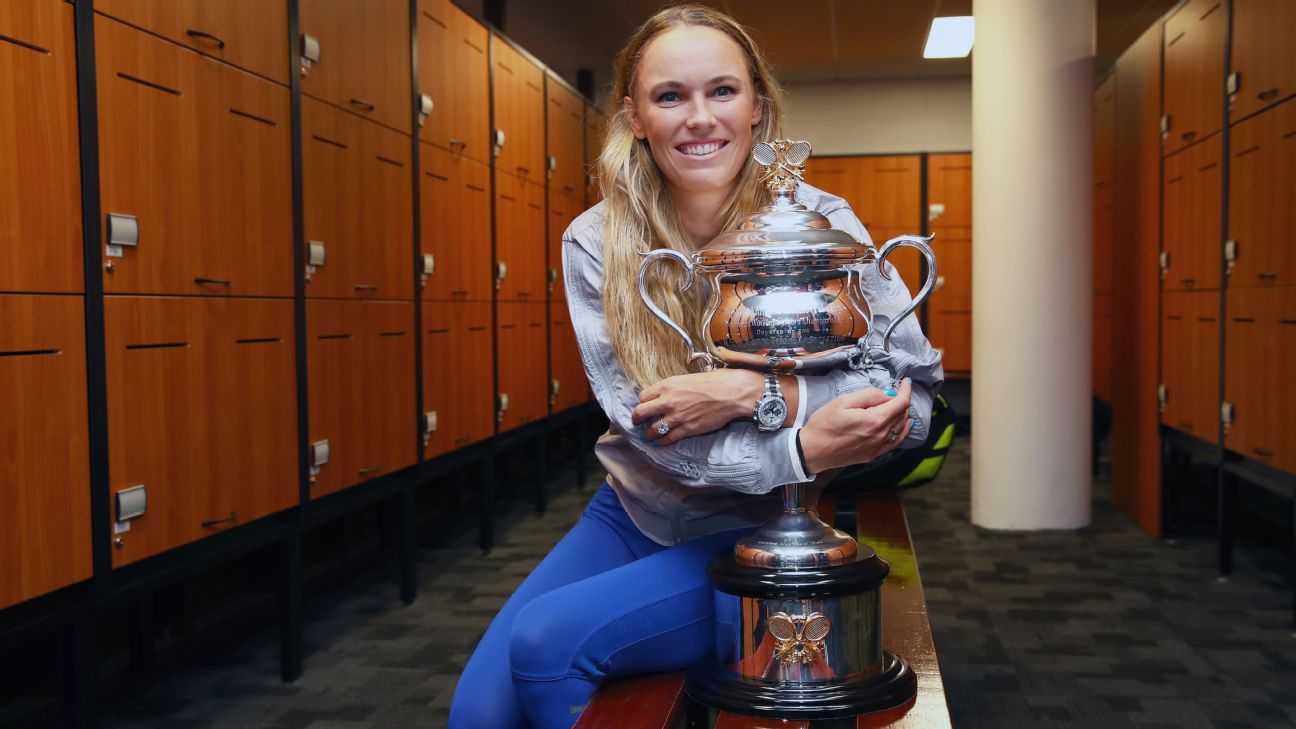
891	392
655	444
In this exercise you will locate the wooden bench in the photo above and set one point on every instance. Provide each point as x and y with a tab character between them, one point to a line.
658	701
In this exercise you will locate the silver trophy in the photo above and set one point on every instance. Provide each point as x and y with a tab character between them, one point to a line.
798	609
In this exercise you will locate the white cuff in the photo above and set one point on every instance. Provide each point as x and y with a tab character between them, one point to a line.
797	468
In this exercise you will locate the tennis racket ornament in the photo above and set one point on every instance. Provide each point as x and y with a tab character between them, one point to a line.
798	608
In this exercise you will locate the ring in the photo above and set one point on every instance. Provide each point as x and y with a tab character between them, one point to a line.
893	437
662	427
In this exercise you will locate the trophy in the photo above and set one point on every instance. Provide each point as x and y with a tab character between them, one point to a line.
798	608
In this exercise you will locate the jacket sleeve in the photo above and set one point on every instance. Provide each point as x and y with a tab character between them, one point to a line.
737	457
911	355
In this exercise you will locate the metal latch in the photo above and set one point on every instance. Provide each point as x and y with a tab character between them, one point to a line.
429	426
314	256
554	386
551	164
553	278
499	140
427	266
1163	262
310	51
123	230
1230	256
501	272
1233	82
131	502
1226	415
425	108
501	404
1162	395
1165	126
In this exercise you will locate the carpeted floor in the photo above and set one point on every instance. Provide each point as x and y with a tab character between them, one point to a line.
1103	627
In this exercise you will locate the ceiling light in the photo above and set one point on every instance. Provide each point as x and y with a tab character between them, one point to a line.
950	37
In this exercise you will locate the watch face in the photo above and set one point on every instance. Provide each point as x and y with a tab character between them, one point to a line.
772	412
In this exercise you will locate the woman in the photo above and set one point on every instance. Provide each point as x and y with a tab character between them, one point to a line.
625	591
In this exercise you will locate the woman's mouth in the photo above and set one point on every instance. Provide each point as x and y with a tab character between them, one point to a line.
702	150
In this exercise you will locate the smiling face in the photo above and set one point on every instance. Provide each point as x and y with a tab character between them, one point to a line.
695	104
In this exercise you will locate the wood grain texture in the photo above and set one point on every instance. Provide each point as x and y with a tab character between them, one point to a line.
1136	442
199	153
563	209
250	34
454	197
201	411
520	112
565	364
40	182
656	701
1194	72
1192	180
523	375
566	139
455	71
458	374
1260	339
1263	54
520	238
1262	198
334	350
949	309
44	466
390	414
364	58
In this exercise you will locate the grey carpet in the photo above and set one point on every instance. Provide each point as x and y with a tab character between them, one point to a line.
1103	627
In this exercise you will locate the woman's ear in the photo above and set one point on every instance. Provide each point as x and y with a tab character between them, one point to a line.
758	113
627	104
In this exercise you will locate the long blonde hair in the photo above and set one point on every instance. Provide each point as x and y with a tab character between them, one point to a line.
641	215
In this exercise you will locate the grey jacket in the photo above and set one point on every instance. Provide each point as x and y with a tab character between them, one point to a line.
726	479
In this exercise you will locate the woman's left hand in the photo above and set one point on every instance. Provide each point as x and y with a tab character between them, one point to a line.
696	403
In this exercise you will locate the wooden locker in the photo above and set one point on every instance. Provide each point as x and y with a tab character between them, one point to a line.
334	340
455	225
563	209
458	374
1194	73
519	114
201	411
1262	198
1104	163
198	154
454	71
1192	206
519	239
40	178
250	34
364	65
386	215
890	192
1205	364
566	125
523	387
950	331
45	472
949	216
838	176
1260	341
1102	347
390	412
1264	58
595	128
949	184
568	386
1176	361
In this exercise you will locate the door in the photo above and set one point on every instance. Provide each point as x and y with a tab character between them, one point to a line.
364	65
455	223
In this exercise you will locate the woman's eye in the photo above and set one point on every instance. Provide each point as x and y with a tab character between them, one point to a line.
669	97
724	91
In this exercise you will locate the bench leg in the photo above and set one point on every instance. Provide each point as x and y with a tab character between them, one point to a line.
1225	488
542	476
82	664
407	547
290	607
486	504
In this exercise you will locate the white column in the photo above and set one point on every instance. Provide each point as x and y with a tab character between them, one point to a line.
1032	95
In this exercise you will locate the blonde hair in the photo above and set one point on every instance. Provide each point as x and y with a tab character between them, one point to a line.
641	215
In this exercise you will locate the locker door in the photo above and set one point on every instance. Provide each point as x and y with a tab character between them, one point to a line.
836	175
457	374
250	34
569	386
566	139
1262	181
45	472
336	392
386	267
40	182
1176	365
890	193
455	222
364	64
1204	367
1177	199
455	71
1102	346
1204	236
387	373
522	371
1263	56
950	331
1194	71
331	187
1260	340
562	211
255	428
519	112
520	243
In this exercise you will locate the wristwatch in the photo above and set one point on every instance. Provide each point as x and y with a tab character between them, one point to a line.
771	408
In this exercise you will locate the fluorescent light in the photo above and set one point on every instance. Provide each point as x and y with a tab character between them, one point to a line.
950	37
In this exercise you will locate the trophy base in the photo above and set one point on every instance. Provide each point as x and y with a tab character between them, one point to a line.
714	686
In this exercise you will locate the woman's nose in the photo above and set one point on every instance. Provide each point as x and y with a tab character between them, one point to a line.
700	116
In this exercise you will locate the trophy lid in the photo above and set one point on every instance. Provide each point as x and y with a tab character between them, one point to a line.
783	232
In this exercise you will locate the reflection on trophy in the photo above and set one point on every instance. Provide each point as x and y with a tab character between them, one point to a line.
798	610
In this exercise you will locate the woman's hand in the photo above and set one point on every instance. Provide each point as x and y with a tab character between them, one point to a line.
856	428
697	403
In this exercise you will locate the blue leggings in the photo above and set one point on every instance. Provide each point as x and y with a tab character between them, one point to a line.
606	602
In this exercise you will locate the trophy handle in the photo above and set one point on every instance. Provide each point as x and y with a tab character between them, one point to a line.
705	360
923	245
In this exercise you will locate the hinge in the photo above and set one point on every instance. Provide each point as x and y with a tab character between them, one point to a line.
1162	396
1226	415
1230	256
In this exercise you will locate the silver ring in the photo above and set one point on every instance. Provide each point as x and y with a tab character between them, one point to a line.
893	437
662	427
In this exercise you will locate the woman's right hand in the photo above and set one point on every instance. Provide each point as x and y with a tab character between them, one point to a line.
856	428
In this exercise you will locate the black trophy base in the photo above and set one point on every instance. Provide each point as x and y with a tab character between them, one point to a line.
719	688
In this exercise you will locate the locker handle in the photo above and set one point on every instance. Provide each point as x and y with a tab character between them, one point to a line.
458	143
213	522
1267	276
204	280
1267	94
361	103
207	36
365	287
523	170
365	471
1262	452
458	292
1188	280
1188	136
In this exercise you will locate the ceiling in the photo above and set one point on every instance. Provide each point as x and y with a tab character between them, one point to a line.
807	40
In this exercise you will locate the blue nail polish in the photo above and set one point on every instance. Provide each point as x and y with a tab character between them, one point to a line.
655	444
890	392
